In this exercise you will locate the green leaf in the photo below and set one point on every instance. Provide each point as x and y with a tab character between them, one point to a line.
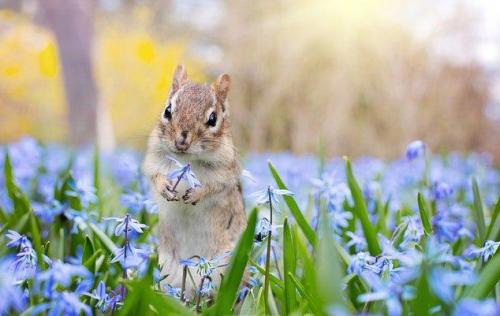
35	235
294	208
424	215
398	235
19	200
312	304
3	216
289	266
361	212
229	287
88	249
329	273
424	299
61	244
105	240
97	181
90	262
143	300
17	224
494	227
478	212
272	277
487	279
249	306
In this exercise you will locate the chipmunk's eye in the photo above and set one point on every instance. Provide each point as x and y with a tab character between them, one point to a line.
168	112
212	119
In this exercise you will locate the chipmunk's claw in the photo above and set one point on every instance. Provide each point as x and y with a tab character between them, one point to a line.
169	194
192	196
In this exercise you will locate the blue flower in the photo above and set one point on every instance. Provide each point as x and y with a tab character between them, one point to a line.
362	262
11	295
441	190
473	307
415	149
17	240
270	195
172	291
47	211
413	232
188	262
63	303
135	202
204	266
61	274
183	172
207	288
339	219
129	256
450	228
387	291
127	223
104	300
358	242
262	230
443	281
84	189
24	267
489	248
124	167
79	219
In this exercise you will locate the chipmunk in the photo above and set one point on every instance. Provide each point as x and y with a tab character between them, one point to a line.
204	221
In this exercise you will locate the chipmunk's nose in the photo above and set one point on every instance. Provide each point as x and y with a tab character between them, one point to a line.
182	142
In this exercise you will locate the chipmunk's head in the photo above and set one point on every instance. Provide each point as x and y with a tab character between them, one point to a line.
194	120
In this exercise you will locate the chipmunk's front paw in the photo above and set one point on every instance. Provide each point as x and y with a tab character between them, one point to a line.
192	196
168	193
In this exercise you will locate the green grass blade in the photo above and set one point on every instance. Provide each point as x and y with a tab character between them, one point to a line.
229	287
494	227
329	274
17	224
143	300
478	212
361	211
488	278
424	299
3	217
272	277
289	266
303	292
294	208
398	235
97	181
36	236
89	263
424	215
88	249
19	200
249	306
105	240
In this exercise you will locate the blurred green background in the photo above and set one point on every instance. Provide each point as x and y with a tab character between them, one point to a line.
360	77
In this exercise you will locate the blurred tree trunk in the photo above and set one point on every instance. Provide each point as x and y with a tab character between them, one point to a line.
71	23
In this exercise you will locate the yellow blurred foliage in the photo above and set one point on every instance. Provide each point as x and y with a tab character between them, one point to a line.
133	72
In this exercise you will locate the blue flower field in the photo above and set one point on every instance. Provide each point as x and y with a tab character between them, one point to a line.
414	236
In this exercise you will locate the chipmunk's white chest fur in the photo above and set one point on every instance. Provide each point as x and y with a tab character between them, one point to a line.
187	230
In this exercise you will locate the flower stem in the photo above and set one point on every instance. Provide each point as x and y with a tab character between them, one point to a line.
268	255
124	274
180	177
198	300
183	288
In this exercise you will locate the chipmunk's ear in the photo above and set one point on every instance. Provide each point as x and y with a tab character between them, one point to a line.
180	77
221	88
